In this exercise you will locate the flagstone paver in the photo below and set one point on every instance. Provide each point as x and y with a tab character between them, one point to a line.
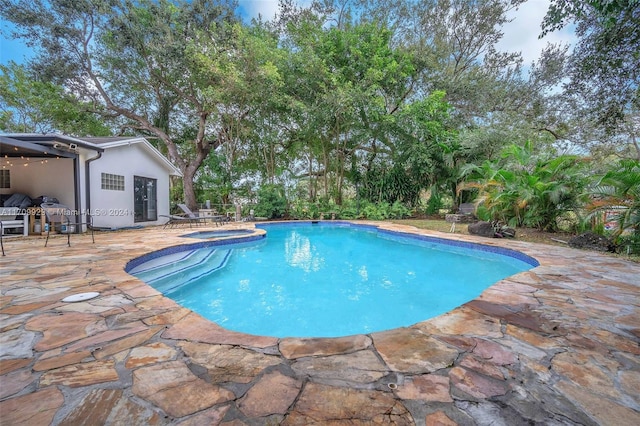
152	353
176	390
35	408
297	348
559	344
49	361
13	383
225	363
358	367
81	374
439	418
323	404
412	351
427	387
272	394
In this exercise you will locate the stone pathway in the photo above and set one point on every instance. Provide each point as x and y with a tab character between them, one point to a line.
555	345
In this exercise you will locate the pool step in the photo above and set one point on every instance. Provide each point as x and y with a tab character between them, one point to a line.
171	272
161	265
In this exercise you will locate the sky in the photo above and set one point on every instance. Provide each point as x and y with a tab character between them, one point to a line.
520	35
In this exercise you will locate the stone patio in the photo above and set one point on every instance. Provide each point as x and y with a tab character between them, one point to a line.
558	344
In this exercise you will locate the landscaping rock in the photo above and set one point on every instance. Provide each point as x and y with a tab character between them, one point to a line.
591	241
483	229
491	230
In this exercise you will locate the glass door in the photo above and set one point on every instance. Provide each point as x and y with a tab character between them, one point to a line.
145	200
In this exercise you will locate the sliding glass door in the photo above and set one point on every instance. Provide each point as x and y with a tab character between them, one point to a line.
145	200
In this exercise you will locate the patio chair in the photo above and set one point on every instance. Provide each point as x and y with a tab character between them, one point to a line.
175	219
217	219
61	218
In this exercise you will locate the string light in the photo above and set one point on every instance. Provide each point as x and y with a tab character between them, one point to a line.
25	163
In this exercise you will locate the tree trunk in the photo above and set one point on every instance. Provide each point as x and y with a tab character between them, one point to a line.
188	191
634	141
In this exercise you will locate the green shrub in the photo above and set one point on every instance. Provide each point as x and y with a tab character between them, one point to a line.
629	244
272	202
434	204
617	190
349	210
399	211
376	211
527	189
304	210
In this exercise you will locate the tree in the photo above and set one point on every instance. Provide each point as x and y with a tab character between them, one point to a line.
346	84
603	68
137	60
561	12
31	106
454	45
428	143
250	90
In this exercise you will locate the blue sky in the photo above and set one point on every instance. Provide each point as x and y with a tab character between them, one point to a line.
520	35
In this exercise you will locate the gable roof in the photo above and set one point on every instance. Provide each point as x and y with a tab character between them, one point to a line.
105	143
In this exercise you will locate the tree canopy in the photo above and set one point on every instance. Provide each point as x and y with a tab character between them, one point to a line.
603	69
383	101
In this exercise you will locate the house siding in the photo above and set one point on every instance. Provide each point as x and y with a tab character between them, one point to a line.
115	209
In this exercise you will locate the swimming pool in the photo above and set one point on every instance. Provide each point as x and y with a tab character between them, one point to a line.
326	279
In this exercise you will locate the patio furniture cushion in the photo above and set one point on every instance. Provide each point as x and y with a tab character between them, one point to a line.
21	201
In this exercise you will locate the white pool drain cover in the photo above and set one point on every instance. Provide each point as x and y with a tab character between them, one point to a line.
80	297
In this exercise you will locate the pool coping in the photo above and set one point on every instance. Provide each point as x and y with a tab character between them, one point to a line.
557	343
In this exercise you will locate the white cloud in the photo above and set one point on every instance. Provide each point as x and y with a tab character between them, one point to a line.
521	34
252	8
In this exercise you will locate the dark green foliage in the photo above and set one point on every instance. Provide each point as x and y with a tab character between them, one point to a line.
31	105
272	202
629	244
434	204
384	210
388	185
399	211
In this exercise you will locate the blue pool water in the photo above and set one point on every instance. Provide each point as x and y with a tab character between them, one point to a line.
322	280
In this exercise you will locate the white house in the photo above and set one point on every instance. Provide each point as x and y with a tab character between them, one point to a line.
120	181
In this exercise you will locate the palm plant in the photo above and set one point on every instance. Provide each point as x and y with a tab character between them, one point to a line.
524	189
618	190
